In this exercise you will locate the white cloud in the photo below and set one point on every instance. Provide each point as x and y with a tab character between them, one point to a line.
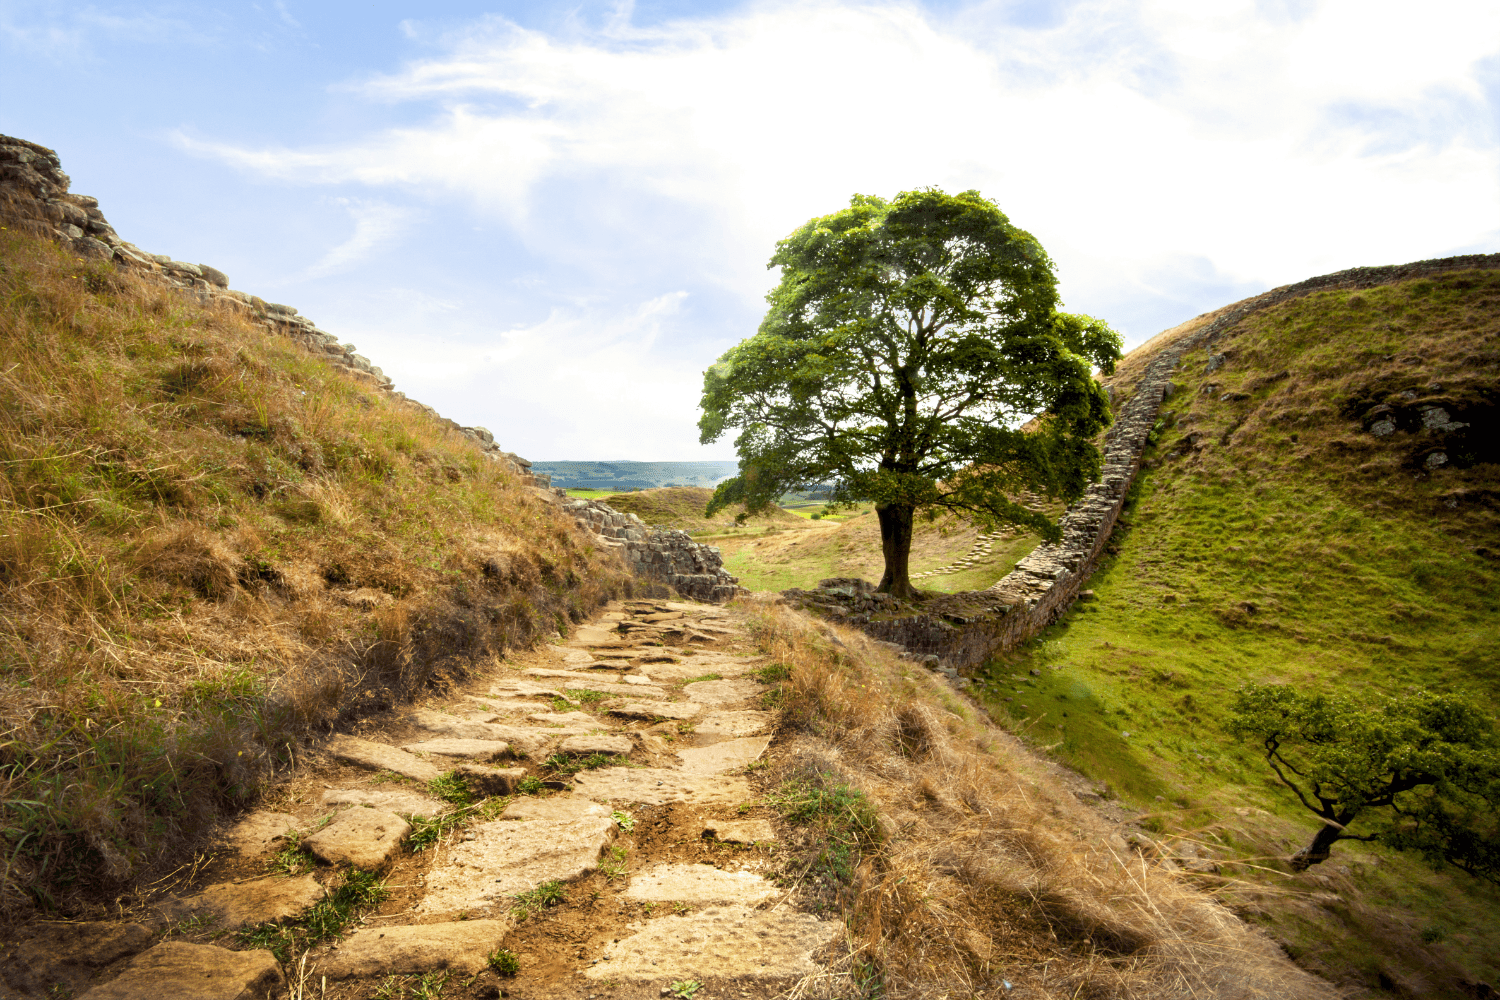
1125	136
376	224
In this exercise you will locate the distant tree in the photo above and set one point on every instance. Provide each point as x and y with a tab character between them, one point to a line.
905	346
1423	770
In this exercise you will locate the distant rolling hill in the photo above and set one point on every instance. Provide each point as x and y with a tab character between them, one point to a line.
635	475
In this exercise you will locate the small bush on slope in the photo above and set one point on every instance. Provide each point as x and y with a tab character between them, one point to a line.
961	864
211	545
1274	538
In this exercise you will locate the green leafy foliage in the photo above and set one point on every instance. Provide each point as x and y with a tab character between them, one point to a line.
1430	762
504	962
565	765
905	346
623	820
451	788
844	816
685	989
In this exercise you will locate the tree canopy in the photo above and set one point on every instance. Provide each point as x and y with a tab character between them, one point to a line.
906	345
1426	765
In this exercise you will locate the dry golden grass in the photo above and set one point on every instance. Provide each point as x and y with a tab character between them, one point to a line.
985	870
213	545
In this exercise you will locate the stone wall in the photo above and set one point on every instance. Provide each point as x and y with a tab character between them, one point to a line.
961	631
665	555
34	197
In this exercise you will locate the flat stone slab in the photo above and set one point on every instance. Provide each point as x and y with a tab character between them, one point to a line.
506	857
576	720
562	807
496	707
523	689
741	831
262	832
697	666
174	970
699	884
730	755
380	757
734	724
409	803
720	941
462	946
534	739
568	655
456	727
655	786
597	743
567	675
69	953
363	837
473	749
658	709
261	901
485	780
622	690
586	637
722	692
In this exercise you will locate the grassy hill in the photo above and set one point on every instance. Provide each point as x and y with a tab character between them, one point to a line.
211	545
1292	524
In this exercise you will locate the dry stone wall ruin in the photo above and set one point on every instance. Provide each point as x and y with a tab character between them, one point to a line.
962	631
34	198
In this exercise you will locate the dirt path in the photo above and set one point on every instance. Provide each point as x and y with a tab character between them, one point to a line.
581	824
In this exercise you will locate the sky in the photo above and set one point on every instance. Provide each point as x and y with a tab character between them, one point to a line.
549	218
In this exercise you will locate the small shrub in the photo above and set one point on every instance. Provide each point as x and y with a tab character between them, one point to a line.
504	962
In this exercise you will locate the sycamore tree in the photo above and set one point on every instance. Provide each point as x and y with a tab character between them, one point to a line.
906	347
1418	773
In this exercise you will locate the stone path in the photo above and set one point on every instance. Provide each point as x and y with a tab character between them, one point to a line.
612	844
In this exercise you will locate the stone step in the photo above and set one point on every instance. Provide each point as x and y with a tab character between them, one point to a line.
462	947
363	837
719	758
406	803
471	749
175	970
723	942
261	832
744	723
698	884
229	906
597	743
655	786
619	690
380	757
506	857
658	709
722	692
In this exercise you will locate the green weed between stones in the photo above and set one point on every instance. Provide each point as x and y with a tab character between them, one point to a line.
326	919
451	788
844	815
504	962
546	895
565	766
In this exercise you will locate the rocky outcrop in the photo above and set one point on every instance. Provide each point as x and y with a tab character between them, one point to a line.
34	198
665	555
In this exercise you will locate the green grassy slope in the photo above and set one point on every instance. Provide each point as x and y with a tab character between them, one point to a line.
1273	537
682	507
213	545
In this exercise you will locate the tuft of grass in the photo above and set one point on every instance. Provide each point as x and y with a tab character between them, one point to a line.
623	820
565	766
613	864
685	989
705	677
546	895
530	785
587	698
449	787
504	962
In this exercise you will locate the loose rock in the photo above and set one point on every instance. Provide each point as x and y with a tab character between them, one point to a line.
364	838
380	757
232	906
261	832
724	942
177	971
463	947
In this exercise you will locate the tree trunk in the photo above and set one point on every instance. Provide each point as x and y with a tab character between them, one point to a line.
1318	850
895	543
